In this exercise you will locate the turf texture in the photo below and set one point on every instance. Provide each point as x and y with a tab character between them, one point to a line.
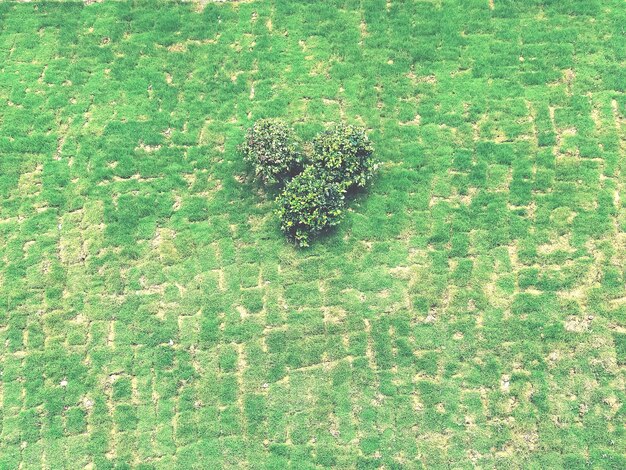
470	311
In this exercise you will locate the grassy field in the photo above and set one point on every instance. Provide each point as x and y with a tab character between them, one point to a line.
470	311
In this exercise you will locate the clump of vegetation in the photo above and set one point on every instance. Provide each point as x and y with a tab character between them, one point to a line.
310	203
313	198
271	149
345	154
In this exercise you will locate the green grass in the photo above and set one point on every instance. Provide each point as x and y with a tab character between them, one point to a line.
469	311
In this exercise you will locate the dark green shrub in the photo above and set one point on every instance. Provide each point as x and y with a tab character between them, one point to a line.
345	154
270	148
315	182
309	204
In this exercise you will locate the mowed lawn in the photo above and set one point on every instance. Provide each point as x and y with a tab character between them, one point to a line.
470	311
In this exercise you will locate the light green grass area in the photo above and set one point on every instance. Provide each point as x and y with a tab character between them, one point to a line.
470	311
